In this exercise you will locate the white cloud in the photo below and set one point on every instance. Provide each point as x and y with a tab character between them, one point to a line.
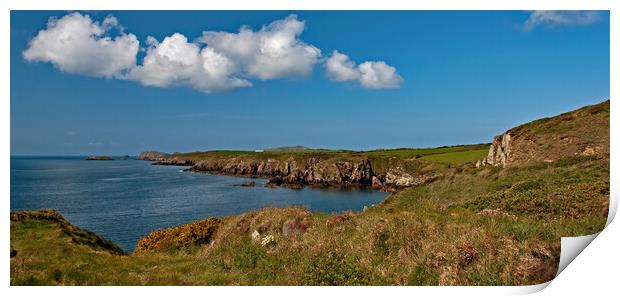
76	44
379	75
175	61
559	18
275	51
216	61
222	60
369	74
340	68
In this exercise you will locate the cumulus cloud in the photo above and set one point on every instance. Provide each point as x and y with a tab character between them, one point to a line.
175	61
215	61
559	18
340	68
369	74
78	45
275	51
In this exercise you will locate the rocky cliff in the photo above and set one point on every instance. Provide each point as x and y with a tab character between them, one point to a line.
315	171
295	172
584	131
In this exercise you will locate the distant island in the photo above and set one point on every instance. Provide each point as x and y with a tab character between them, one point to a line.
99	157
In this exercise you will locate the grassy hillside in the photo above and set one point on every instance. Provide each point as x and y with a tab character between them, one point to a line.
584	131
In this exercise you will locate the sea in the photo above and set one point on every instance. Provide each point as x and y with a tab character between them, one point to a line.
124	200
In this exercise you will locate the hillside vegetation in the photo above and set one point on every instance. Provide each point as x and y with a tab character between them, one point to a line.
486	225
447	155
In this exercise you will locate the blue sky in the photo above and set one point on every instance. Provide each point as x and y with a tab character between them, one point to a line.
458	77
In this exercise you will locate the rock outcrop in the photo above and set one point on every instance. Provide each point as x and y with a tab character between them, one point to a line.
153	155
399	178
376	183
499	151
311	171
295	173
583	132
246	184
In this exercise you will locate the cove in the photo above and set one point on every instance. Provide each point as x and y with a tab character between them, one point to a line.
124	200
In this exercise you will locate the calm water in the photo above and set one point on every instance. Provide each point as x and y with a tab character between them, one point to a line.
124	200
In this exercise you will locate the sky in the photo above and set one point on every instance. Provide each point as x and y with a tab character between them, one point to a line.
119	82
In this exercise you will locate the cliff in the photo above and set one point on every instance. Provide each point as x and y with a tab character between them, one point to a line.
384	169
582	132
316	171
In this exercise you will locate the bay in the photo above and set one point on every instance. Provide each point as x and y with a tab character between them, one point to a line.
124	200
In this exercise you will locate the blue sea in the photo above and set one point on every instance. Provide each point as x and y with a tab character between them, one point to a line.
124	200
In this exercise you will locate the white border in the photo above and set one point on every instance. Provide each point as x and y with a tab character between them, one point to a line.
595	269
310	5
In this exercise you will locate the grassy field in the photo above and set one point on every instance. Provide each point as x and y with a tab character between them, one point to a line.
458	157
436	158
424	152
476	226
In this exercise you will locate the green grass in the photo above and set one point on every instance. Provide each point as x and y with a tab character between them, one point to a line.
485	226
421	152
458	157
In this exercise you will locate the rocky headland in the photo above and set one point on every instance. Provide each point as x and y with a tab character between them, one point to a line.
151	155
296	171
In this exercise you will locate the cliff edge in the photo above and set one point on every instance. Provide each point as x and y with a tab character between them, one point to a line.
584	131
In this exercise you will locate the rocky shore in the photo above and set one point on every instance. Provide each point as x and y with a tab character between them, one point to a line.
296	173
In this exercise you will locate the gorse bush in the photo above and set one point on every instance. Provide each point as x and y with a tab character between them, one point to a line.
178	237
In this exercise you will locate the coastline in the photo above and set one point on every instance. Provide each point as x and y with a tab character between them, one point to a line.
495	223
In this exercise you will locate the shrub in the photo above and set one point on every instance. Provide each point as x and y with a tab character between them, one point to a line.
196	233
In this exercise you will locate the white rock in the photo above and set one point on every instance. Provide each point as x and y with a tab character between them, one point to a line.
255	236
